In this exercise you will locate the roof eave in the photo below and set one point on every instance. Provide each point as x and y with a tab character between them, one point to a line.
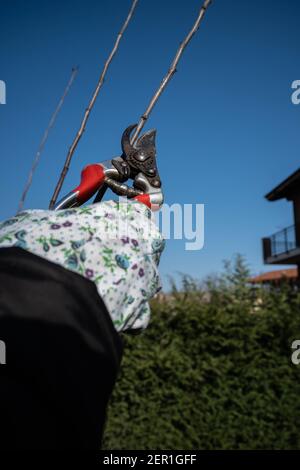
285	188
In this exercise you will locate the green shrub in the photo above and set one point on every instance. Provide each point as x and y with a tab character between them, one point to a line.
213	371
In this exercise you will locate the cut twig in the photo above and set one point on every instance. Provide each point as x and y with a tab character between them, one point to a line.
89	108
171	70
44	140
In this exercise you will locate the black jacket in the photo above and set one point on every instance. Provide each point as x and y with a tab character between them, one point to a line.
62	356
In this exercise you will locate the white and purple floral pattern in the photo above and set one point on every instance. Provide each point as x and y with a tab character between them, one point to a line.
114	244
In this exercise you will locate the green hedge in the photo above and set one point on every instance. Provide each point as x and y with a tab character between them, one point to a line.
213	371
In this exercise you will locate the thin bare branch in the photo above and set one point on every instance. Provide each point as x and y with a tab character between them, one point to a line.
90	106
171	70
44	140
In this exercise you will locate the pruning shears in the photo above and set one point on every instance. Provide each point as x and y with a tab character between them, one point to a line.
137	163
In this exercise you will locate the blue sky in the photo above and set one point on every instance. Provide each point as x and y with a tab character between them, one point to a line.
227	130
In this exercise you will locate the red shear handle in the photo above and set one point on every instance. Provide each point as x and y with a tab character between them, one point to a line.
153	201
92	177
144	199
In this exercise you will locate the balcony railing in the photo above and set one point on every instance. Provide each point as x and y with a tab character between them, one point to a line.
283	241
